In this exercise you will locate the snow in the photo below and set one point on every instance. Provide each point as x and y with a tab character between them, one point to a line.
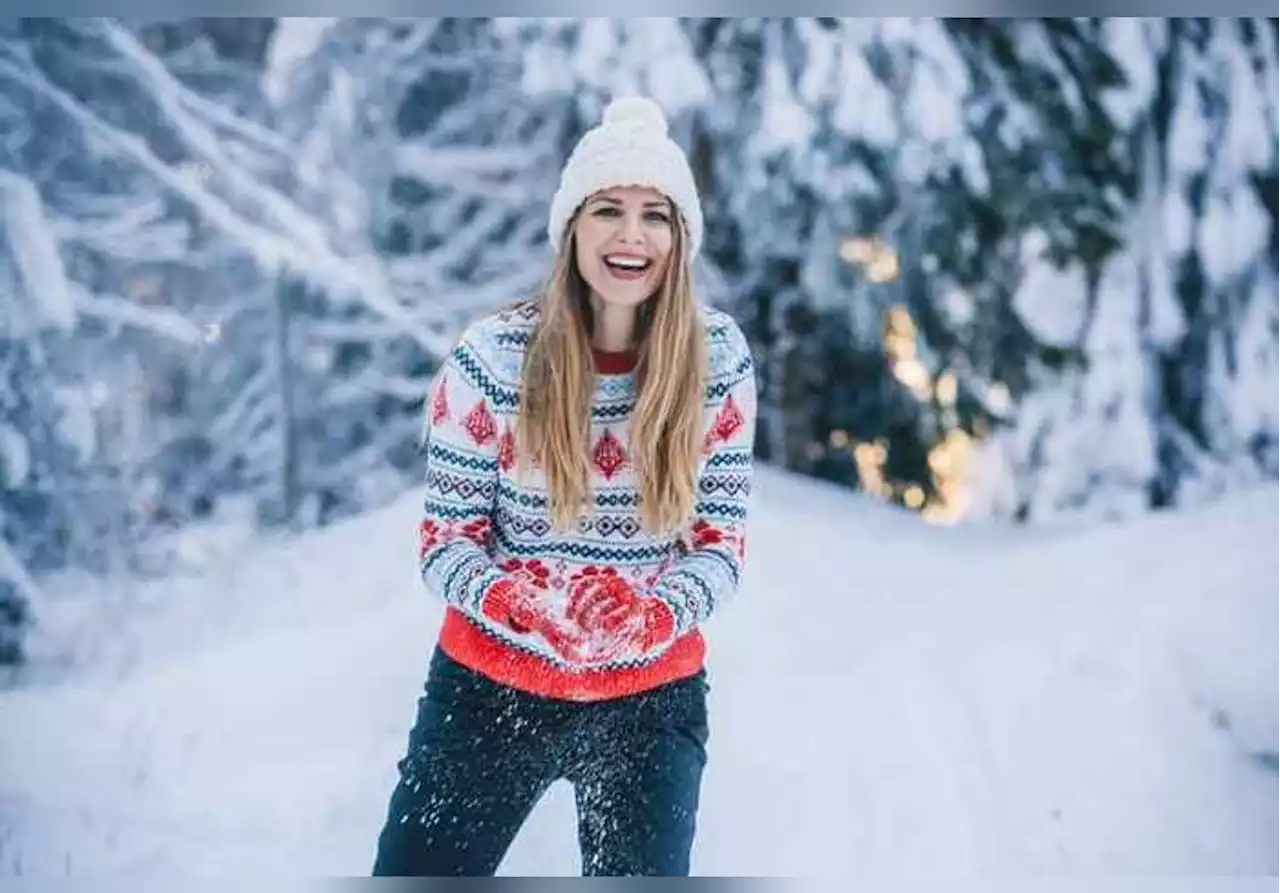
966	701
1189	137
935	102
1166	323
673	76
37	260
785	124
1128	40
1050	301
1242	406
15	457
611	58
863	109
293	40
76	423
1178	221
1118	453
1248	140
161	322
1232	232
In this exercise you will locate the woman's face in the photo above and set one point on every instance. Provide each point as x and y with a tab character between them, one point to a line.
624	237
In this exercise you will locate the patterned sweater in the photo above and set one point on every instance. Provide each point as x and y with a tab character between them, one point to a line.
483	523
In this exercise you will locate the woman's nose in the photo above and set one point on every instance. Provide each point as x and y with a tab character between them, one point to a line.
632	231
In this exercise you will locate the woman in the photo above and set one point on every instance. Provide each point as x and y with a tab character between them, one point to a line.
588	464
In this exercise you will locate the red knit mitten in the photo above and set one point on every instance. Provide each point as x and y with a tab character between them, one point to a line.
514	604
619	623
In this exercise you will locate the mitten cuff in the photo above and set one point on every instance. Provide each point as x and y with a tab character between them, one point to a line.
498	600
659	624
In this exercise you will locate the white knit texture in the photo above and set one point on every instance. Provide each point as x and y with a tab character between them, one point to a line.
630	147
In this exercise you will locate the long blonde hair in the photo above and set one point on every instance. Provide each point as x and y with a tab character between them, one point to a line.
553	426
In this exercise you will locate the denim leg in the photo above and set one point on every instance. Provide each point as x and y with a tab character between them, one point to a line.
637	774
479	757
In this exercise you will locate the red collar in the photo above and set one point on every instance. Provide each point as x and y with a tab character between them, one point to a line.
614	362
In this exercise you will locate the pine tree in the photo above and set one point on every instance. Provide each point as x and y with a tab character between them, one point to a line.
416	149
46	441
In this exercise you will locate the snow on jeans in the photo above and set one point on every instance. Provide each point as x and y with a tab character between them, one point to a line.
481	754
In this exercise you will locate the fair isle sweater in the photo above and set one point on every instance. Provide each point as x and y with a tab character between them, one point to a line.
486	520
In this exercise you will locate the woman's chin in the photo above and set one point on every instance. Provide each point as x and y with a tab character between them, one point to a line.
624	296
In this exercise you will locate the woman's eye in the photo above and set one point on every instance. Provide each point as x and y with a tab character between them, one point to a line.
607	211
658	217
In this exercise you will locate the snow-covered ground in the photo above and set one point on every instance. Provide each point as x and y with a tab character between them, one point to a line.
886	698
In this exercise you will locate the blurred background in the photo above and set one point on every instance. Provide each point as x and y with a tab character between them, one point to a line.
1009	275
1021	269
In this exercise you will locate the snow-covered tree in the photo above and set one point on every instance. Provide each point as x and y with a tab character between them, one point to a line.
415	146
1172	328
970	203
143	209
45	445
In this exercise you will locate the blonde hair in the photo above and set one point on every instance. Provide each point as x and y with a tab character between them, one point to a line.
553	426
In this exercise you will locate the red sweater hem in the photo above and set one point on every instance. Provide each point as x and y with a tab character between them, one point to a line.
473	648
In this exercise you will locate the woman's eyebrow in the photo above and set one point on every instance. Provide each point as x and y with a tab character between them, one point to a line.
613	201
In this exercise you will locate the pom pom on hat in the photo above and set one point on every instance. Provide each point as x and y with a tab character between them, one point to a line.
630	147
636	111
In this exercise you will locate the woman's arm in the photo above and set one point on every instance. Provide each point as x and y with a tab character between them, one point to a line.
711	570
462	438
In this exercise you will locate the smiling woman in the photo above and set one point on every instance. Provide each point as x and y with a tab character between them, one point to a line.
589	458
624	239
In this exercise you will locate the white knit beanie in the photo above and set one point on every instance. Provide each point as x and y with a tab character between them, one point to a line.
630	147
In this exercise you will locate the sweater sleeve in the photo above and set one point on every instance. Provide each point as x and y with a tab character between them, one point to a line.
462	441
711	568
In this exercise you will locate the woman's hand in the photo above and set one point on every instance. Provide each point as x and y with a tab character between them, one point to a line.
619	623
515	603
603	603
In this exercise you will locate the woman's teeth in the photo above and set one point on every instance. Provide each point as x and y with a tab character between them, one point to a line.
629	264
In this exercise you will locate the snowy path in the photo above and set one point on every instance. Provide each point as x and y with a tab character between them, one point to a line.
885	699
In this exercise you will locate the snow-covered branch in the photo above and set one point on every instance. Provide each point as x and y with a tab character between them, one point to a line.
358	389
361	278
11	569
248	403
37	258
443	163
205	144
161	322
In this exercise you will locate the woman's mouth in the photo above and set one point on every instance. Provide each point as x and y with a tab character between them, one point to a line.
627	267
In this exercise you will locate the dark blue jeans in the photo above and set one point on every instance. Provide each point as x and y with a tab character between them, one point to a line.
481	755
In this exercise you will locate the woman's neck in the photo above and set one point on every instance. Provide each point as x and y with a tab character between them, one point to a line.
615	326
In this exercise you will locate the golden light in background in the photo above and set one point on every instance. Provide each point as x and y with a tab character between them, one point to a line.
939	461
870	458
839	439
913	374
883	268
900	321
858	250
900	347
948	462
946	388
879	263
